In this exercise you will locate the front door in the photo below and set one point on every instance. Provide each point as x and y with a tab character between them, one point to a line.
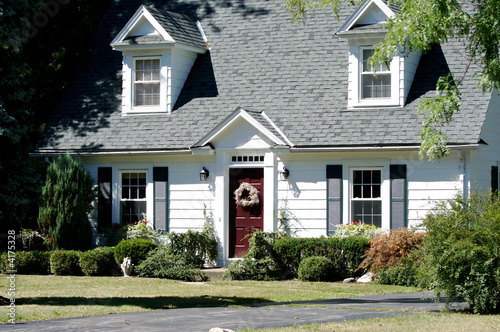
244	220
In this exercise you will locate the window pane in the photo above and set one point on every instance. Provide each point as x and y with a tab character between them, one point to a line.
376	191
142	192
367	177
142	179
125	193
376	177
139	65
356	191
366	55
357	177
367	191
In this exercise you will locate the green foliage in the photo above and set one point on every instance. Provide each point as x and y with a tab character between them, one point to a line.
28	262
161	263
387	250
99	262
210	244
65	262
136	249
252	269
68	195
345	254
410	271
317	268
193	246
357	230
40	62
300	8
464	250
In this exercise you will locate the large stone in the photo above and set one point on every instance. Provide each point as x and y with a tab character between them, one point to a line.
349	280
366	278
218	329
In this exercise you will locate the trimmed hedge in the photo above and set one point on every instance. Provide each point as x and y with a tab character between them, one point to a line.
65	262
99	262
28	262
345	254
317	268
136	249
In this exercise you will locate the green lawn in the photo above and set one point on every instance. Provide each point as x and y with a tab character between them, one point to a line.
48	297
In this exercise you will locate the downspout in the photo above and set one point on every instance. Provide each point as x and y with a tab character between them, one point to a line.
464	176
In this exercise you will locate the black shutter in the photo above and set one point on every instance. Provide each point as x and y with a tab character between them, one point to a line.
494	179
334	196
399	196
104	214
160	179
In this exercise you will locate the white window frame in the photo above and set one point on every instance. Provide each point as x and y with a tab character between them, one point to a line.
378	71
359	199
146	200
355	84
128	72
135	83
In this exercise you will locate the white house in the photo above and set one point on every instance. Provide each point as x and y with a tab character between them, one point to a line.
235	92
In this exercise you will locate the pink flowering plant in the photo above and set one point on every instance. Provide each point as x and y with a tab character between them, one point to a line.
358	229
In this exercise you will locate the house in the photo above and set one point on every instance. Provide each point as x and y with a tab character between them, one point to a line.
177	105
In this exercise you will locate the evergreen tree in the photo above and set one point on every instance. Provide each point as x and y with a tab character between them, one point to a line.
67	200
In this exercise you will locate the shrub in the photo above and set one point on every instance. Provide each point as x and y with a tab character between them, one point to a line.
161	263
28	262
345	254
316	268
65	262
387	250
68	195
99	262
464	250
136	249
252	269
357	230
193	246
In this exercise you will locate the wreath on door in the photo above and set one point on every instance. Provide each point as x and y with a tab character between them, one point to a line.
246	195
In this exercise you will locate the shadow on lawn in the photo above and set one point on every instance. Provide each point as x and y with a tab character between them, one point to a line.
161	302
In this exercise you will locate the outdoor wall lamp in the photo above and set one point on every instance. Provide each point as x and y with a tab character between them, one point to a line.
284	173
204	174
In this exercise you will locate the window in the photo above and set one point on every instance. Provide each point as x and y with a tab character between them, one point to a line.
147	82
366	200
133	196
375	81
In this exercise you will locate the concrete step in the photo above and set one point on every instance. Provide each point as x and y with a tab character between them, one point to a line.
214	274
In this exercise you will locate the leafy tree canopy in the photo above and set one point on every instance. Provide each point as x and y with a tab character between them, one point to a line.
417	27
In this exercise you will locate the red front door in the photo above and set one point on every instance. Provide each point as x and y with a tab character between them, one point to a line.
244	220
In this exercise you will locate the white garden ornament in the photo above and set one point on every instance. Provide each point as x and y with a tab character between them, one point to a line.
127	267
246	195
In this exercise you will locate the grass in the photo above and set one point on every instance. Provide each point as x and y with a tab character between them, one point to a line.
412	323
49	297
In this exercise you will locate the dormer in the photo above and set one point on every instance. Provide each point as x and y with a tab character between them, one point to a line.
159	49
384	85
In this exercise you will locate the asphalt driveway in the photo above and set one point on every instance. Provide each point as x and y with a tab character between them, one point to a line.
259	316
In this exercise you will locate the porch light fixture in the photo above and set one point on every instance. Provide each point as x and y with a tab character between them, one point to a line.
204	174
284	173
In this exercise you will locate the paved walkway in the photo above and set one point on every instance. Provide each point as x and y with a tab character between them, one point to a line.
259	316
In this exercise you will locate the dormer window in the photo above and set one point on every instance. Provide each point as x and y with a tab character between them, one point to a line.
147	82
386	85
159	49
375	82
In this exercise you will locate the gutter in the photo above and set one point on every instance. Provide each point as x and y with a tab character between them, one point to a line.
374	148
52	153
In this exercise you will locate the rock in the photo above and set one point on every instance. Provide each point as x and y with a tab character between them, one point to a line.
218	329
349	280
368	277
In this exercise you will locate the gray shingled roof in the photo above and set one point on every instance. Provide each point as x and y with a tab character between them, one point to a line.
260	61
